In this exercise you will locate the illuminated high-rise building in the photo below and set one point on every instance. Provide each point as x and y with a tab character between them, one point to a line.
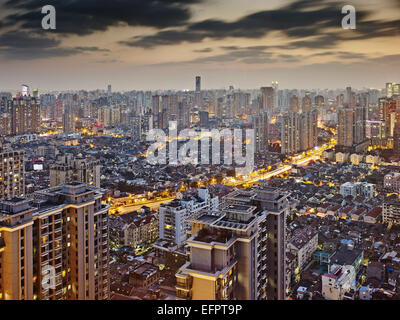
350	98
268	99
319	104
351	127
197	93
294	104
55	245
16	250
260	126
25	115
12	171
275	85
392	89
68	120
183	115
299	131
240	252
306	104
308	130
290	139
58	109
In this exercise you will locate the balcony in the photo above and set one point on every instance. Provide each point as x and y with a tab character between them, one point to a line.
59	220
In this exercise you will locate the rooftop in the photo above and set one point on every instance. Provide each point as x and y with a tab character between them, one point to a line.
213	235
346	256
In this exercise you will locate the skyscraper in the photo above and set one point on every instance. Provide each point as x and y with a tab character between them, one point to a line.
350	98
319	104
276	204
68	120
294	104
306	104
308	130
239	253
25	115
351	127
290	139
299	131
197	94
392	89
268	99
12	170
204	118
55	246
260	126
198	84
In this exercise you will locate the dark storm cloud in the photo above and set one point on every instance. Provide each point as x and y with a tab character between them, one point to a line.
36	53
289	19
248	55
340	54
18	39
84	17
169	37
20	45
319	42
316	22
92	49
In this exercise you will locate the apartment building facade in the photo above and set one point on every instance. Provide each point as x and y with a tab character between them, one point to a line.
58	239
239	251
12	174
69	169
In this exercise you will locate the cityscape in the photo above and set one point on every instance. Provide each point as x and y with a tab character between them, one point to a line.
225	190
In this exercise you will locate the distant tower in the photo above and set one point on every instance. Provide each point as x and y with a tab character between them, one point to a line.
306	104
197	95
275	85
198	84
294	104
268	99
68	120
350	97
109	90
